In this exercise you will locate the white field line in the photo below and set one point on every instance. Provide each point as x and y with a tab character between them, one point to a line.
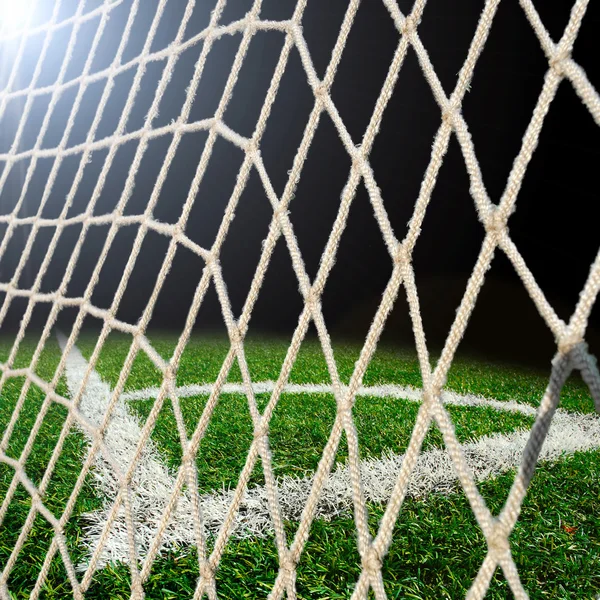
153	481
388	390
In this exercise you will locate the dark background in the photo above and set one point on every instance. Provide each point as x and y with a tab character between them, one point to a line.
555	225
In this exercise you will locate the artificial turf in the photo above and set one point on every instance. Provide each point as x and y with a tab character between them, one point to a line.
437	546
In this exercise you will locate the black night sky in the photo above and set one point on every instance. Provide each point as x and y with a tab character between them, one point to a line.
555	224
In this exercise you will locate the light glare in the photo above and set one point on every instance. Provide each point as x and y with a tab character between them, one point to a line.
14	14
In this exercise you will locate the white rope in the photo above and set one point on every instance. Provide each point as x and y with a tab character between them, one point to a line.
571	349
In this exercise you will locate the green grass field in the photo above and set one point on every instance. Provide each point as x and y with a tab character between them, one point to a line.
437	547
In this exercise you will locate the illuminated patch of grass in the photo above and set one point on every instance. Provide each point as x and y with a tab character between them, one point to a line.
437	545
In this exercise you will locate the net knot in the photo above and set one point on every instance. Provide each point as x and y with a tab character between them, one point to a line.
251	23
170	373
558	60
206	571
496	222
137	590
408	27
252	148
261	430
569	342
321	91
288	565
371	562
498	542
357	159
280	211
177	230
312	298
431	394
449	113
344	405
235	335
401	257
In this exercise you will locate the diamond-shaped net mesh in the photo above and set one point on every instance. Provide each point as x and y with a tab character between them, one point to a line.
572	350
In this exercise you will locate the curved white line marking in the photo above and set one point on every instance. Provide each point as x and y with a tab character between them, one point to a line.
153	481
388	390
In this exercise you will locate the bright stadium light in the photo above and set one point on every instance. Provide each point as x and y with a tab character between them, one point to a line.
14	14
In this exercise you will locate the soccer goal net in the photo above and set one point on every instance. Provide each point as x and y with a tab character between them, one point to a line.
27	33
